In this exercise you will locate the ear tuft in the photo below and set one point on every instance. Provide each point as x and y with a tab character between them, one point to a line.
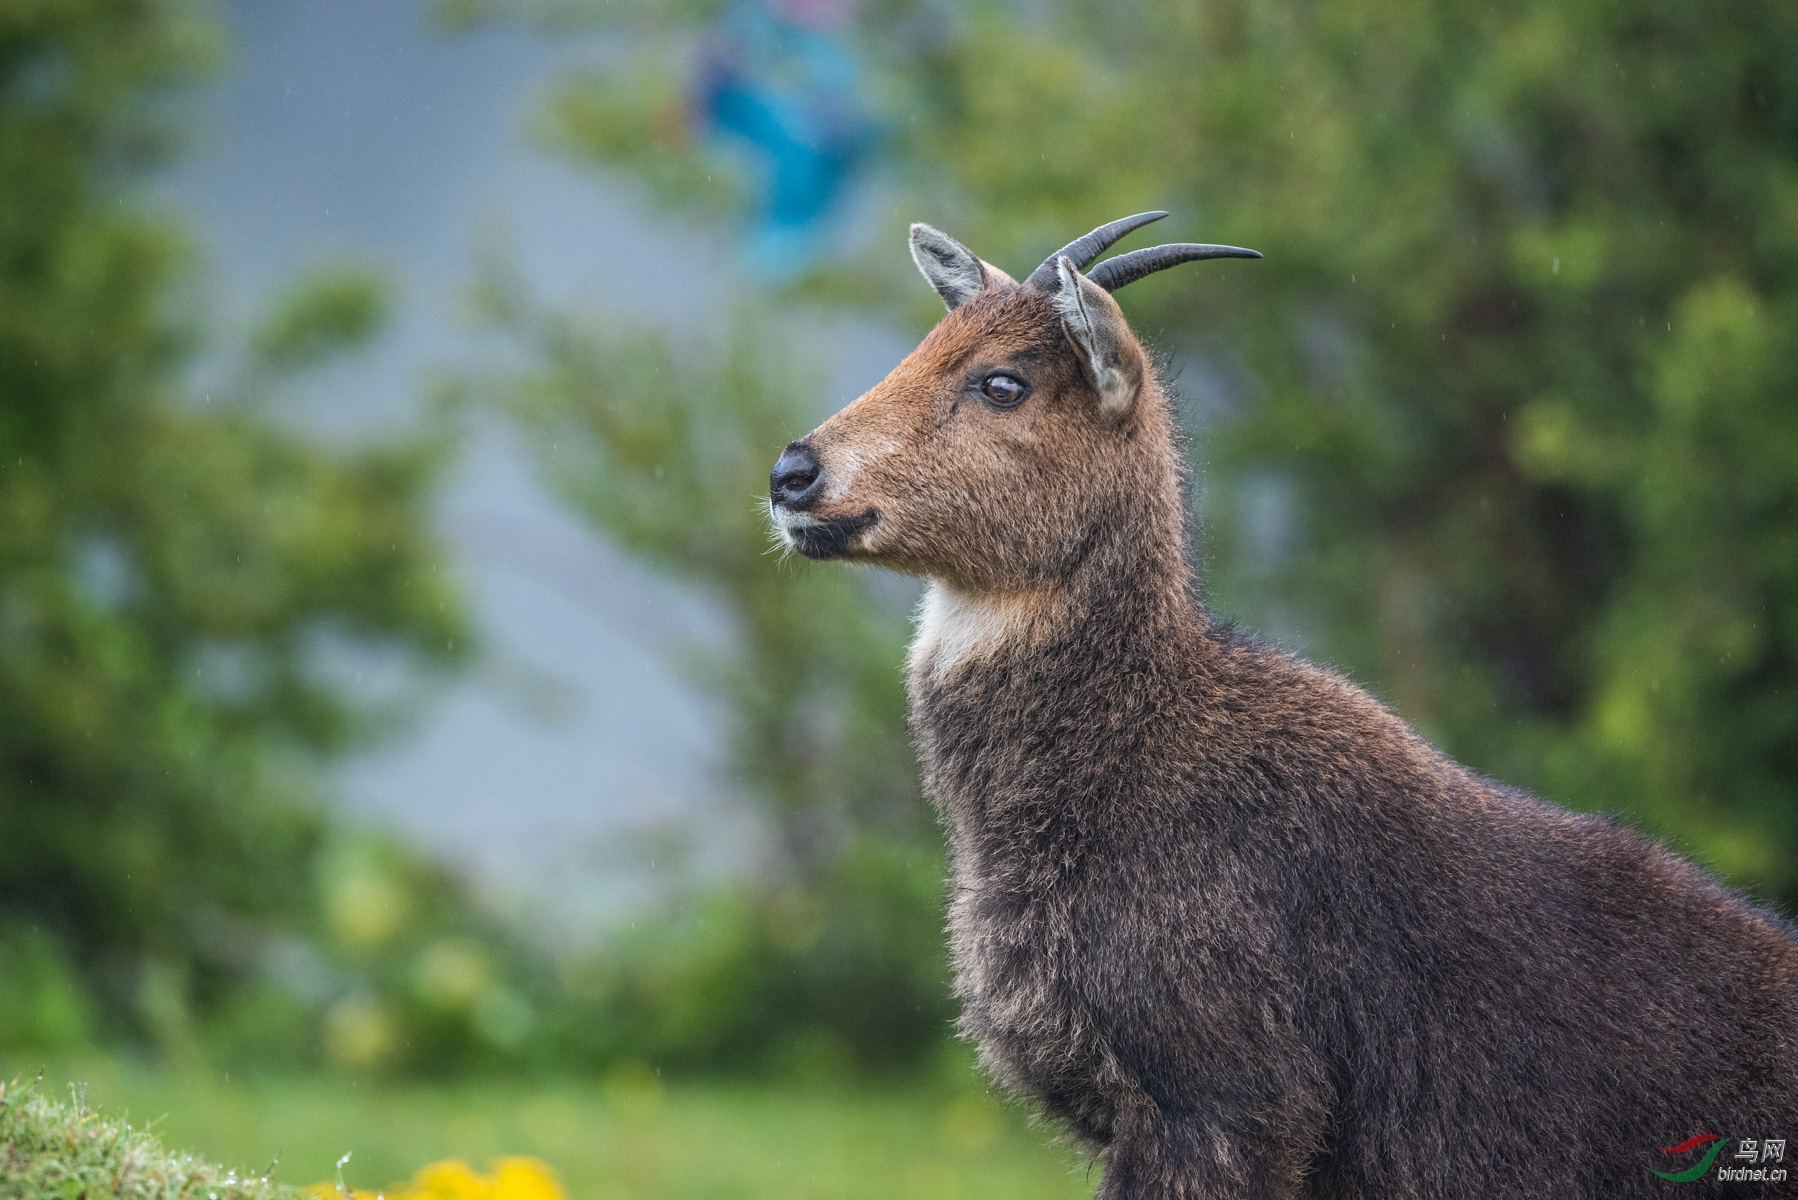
1097	328
952	269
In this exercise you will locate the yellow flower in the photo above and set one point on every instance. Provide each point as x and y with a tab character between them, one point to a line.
521	1178
449	1180
514	1178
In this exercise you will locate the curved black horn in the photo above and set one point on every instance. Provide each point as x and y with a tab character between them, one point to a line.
1114	273
1081	251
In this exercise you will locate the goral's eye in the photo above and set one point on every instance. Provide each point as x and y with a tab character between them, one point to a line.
1002	389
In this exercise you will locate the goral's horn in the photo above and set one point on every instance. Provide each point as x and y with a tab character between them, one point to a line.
1114	273
1081	251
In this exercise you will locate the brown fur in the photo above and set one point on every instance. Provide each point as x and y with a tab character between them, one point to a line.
1232	923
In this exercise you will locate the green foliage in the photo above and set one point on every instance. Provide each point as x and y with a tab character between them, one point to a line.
42	1003
51	1151
1502	424
176	571
666	448
394	971
336	309
417	980
605	112
830	959
844	976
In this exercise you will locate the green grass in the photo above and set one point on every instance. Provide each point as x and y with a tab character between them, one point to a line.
627	1137
51	1150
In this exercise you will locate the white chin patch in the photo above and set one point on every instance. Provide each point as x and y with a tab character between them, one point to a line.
791	523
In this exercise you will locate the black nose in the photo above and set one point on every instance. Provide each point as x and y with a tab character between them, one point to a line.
797	478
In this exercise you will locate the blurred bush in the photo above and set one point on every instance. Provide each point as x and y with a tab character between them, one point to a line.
178	574
828	957
182	579
842	976
403	974
665	445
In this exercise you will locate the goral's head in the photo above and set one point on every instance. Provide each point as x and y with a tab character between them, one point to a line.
1028	415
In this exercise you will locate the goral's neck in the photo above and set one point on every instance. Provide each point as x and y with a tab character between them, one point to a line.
1127	596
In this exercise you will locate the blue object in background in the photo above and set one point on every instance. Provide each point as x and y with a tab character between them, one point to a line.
784	78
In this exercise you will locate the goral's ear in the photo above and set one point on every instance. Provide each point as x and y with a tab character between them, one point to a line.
953	270
1114	361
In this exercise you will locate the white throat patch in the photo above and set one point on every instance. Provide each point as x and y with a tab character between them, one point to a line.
955	627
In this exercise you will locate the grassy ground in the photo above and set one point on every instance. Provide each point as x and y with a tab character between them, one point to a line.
63	1151
625	1137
